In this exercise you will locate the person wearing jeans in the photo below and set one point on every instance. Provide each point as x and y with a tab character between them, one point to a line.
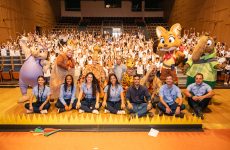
170	99
136	95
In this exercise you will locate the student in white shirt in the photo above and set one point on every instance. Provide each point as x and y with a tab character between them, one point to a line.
3	51
140	68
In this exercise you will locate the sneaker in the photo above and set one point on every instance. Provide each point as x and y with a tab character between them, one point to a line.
60	110
106	111
81	111
29	111
44	111
120	112
225	83
95	112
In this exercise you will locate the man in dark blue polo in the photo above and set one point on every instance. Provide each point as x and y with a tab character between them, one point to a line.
199	95
138	98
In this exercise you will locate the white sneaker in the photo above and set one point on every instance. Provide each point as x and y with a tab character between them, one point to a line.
29	111
81	111
225	83
44	111
95	112
106	111
120	112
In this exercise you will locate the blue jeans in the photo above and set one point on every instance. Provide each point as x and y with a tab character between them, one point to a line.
172	107
113	107
36	106
139	109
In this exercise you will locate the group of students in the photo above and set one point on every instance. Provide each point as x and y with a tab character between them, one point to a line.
87	101
137	99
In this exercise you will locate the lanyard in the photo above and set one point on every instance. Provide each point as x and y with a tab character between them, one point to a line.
40	97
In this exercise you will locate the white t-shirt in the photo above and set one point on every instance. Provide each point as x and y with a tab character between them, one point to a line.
158	65
77	71
185	53
3	52
12	52
52	58
140	69
81	62
47	73
227	54
147	67
227	67
90	62
17	53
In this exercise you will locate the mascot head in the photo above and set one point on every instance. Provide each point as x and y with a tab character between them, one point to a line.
169	40
204	48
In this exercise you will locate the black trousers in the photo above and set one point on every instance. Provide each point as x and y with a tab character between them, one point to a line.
88	104
36	106
113	107
60	105
198	105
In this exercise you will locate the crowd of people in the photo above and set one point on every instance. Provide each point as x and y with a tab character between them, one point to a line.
131	68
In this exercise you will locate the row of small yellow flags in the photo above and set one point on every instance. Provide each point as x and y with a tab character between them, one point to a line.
92	119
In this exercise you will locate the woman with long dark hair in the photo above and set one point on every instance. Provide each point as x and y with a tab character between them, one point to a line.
114	101
67	99
90	89
42	94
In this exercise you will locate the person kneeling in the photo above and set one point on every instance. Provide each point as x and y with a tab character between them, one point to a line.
136	95
91	90
114	97
67	99
199	95
170	99
42	94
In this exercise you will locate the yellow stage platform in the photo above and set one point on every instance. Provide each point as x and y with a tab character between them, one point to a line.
13	114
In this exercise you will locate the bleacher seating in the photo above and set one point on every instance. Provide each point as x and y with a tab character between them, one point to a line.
10	67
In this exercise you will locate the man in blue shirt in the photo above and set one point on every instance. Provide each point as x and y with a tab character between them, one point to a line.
138	99
170	99
199	95
119	68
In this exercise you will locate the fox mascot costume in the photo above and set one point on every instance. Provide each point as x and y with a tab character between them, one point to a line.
169	41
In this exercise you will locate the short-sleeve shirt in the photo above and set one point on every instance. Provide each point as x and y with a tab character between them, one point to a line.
41	93
199	89
170	94
68	94
115	93
87	91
